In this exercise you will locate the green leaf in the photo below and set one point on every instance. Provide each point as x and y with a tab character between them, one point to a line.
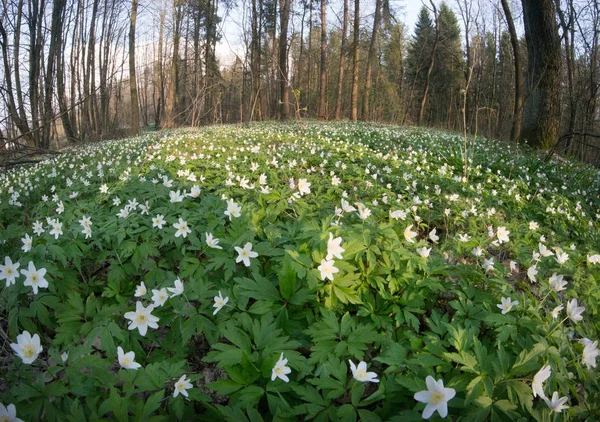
412	383
521	392
116	405
357	392
152	403
287	278
346	413
57	254
225	356
506	406
254	415
260	288
365	415
127	248
527	360
426	360
224	387
474	389
237	337
310	394
107	342
144	251
248	396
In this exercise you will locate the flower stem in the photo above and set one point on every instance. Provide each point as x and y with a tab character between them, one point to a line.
558	325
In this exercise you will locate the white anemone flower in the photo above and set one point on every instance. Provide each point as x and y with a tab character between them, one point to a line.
142	318
127	360
360	372
436	397
280	370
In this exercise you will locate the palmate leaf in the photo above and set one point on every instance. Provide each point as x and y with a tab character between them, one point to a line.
424	360
224	386
287	278
300	262
259	288
247	396
232	413
527	361
237	337
224	355
310	395
392	354
222	262
266	335
143	252
346	336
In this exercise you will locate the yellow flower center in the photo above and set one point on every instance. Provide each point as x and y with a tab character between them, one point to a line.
9	272
436	397
125	361
361	374
34	278
4	419
141	319
28	351
278	370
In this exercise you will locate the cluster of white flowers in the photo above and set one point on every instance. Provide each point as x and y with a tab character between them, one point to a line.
33	277
334	249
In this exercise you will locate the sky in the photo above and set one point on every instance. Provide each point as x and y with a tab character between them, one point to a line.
230	44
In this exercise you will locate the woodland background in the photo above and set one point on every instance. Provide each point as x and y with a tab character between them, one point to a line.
80	70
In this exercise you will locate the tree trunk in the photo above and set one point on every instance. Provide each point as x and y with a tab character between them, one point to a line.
17	43
298	76
284	10
255	100
431	64
309	65
36	11
541	117
323	79
19	122
464	7
338	105
274	95
568	34
135	109
354	99
159	81
172	100
514	41
88	122
75	69
208	66
55	41
65	113
103	59
371	59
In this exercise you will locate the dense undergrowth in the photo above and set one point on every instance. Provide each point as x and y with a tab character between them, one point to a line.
250	270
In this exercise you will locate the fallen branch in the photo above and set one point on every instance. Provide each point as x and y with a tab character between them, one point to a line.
15	157
571	135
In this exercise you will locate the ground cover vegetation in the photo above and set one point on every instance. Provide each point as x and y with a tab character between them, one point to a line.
299	271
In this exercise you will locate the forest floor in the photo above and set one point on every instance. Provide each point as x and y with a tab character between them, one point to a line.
295	271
